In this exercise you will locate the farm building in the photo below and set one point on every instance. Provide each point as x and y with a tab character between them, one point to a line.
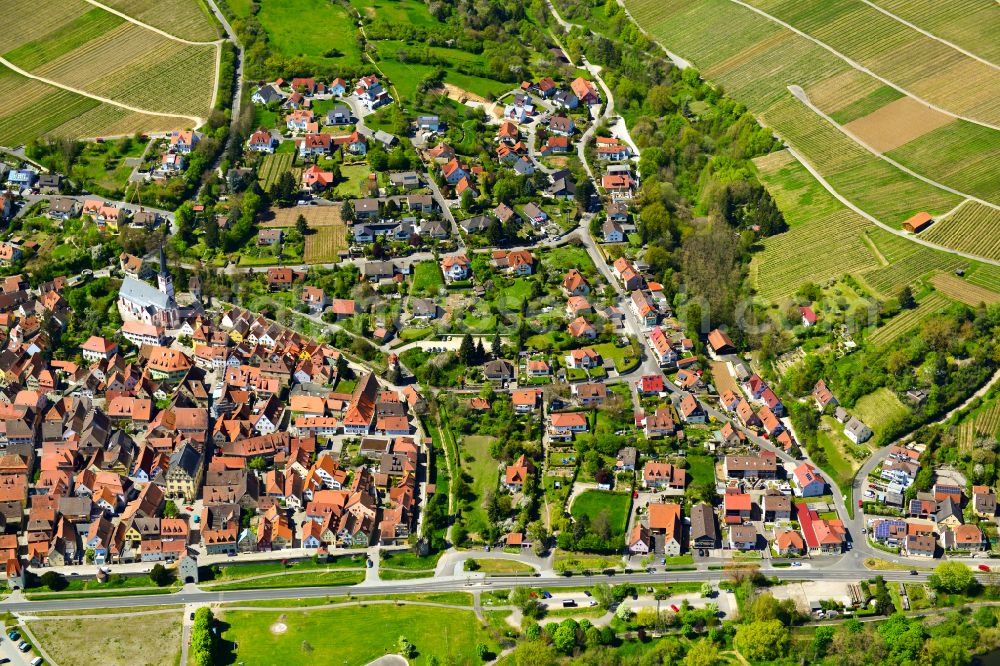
918	223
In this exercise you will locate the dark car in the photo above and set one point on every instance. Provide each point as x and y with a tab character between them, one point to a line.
913	572
13	635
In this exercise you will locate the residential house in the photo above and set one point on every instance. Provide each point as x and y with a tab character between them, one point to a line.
704	531
662	476
856	431
517	474
811	483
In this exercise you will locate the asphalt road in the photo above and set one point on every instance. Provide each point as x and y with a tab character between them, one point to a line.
434	585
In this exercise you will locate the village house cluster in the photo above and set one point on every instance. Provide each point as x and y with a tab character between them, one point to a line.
231	441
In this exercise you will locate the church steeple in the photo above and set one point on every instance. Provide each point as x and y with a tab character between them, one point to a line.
163	279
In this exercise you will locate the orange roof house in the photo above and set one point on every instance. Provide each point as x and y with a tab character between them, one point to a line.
918	223
518	473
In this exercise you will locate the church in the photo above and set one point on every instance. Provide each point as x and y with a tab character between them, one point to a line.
140	301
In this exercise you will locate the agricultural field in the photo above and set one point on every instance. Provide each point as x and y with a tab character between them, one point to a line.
824	240
66	113
879	408
944	76
187	19
755	59
972	228
871	183
971	24
984	422
141	640
907	320
325	244
907	262
958	289
92	51
960	155
316	217
984	275
896	123
273	166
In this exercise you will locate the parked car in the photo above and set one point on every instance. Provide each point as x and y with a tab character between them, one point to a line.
13	635
569	603
546	595
983	567
674	608
24	646
37	661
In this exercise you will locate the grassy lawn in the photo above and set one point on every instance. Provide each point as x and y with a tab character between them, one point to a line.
500	566
114	583
576	562
298	579
839	464
124	641
238	572
623	357
427	279
474	452
451	598
291	24
510	297
354	176
701	468
879	408
362	635
404	559
391	574
592	502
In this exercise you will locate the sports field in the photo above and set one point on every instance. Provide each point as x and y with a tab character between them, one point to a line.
100	74
919	100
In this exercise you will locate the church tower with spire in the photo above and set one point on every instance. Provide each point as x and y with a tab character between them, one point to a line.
163	279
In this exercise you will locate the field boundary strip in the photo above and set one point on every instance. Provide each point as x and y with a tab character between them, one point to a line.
882	225
858	66
139	23
930	34
801	95
198	121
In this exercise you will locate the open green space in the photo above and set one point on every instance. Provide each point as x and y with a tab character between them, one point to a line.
427	279
363	633
624	357
880	408
295	579
404	559
474	452
701	469
354	176
590	503
839	464
494	565
237	572
303	28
